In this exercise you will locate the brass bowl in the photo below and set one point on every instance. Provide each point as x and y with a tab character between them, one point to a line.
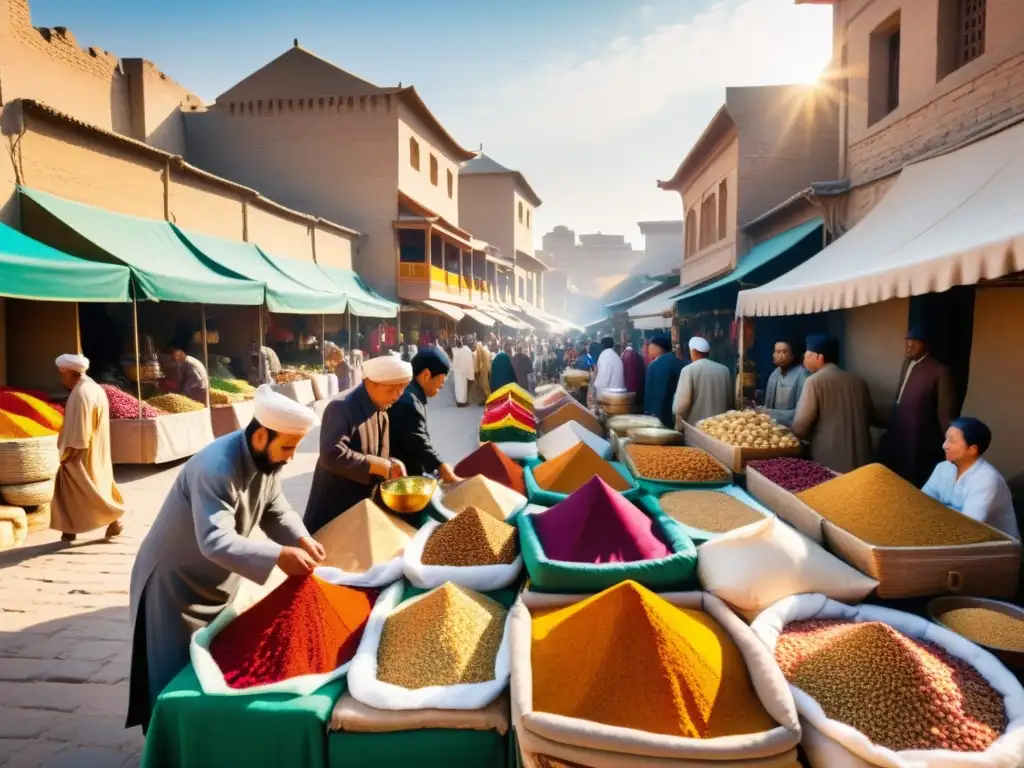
654	436
408	495
939	606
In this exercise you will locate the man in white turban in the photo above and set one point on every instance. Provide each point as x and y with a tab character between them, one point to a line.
85	496
192	560
355	446
704	388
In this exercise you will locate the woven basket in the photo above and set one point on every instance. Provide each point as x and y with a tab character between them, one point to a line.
28	460
28	494
38	518
13	527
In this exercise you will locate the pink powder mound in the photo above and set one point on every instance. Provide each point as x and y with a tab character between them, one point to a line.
597	525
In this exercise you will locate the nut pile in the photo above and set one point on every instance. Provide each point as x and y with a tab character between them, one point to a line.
172	402
987	626
748	429
899	692
879	507
708	510
125	406
220	397
795	475
676	463
472	538
449	636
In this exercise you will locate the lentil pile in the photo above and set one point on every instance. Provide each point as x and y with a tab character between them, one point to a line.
598	525
472	538
172	402
569	471
879	507
708	510
491	462
626	657
901	693
362	537
795	475
125	406
303	627
486	495
987	626
448	636
674	462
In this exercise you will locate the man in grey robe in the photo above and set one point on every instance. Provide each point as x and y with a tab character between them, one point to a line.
192	560
705	387
785	384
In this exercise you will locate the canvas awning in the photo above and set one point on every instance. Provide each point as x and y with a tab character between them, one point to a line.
955	219
485	320
446	309
503	318
164	268
245	260
655	312
32	270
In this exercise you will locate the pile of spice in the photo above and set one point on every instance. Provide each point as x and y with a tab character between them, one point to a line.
509	409
172	402
901	693
795	475
486	495
125	406
987	626
598	525
627	657
675	463
567	436
571	411
507	430
303	627
13	402
711	511
363	536
234	386
449	636
513	391
569	471
15	427
491	462
879	507
472	538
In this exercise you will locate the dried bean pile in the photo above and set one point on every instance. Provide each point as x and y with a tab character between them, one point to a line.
220	397
708	510
901	693
124	406
879	507
669	462
449	636
172	402
986	626
795	475
472	538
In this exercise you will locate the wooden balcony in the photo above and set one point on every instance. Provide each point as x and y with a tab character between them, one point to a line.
418	281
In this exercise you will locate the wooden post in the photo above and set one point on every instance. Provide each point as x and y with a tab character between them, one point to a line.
323	345
206	351
138	358
739	377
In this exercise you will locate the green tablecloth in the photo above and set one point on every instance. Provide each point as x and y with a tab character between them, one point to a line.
427	748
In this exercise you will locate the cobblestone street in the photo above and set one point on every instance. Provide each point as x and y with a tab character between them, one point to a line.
64	633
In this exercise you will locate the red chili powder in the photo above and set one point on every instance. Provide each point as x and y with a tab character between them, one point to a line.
597	525
509	408
303	627
491	462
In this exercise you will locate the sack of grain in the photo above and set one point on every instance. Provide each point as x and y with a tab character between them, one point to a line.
832	744
755	566
483	578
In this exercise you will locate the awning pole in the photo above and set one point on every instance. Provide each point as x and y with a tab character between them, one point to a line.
739	377
138	359
323	345
351	338
259	349
206	351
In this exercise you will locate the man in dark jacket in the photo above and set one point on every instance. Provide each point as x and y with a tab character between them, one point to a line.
409	438
661	380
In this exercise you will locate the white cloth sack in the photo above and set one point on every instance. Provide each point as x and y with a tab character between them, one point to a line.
518	451
834	745
757	565
365	688
482	578
211	679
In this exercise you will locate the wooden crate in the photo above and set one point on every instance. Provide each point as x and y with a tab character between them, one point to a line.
734	457
679	485
786	505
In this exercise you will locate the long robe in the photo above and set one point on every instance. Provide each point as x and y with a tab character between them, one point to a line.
834	413
191	562
85	496
704	390
980	493
660	387
502	372
482	371
353	437
926	405
634	369
783	393
462	370
410	439
609	373
523	367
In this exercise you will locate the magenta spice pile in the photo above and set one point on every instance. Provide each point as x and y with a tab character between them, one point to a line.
125	406
795	475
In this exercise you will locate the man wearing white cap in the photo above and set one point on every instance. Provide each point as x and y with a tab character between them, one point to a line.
85	496
192	560
355	447
704	388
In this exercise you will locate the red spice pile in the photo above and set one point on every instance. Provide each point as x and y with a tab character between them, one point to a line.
303	627
491	462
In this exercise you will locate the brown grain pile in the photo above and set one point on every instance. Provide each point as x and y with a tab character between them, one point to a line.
486	495
879	507
472	538
676	463
363	536
987	626
708	510
448	636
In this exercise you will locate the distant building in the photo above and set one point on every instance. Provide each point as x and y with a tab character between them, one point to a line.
596	263
663	245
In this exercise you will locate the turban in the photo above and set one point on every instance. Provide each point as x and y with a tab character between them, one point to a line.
919	333
824	344
975	432
387	369
661	342
700	344
282	414
431	359
77	363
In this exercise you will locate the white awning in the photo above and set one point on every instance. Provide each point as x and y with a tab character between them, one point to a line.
655	312
449	310
480	317
504	319
955	219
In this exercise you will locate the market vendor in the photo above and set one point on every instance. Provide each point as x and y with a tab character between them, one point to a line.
186	375
661	380
355	444
968	483
609	372
199	547
410	439
634	372
785	384
834	412
464	372
265	364
705	387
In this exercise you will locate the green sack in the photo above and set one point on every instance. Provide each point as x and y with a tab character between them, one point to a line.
538	495
652	506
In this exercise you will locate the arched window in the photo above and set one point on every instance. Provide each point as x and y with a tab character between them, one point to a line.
520	211
414	153
433	170
691	233
723	210
451	185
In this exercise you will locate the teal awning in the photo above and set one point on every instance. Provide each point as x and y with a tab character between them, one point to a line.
246	261
164	268
31	270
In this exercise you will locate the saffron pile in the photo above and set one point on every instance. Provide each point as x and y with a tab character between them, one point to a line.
569	471
303	627
489	460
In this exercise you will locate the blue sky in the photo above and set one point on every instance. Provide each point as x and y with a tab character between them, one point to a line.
593	100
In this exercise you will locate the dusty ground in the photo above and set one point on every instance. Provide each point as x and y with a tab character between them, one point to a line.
64	634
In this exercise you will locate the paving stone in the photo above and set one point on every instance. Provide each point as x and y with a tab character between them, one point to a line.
95	731
88	757
53	670
115	671
37	752
23	723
